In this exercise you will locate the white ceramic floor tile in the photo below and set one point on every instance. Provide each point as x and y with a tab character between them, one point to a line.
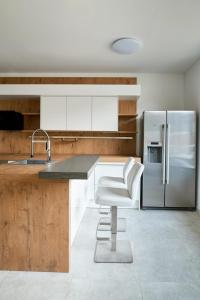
170	291
166	250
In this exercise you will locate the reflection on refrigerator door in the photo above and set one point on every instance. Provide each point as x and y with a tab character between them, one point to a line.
180	188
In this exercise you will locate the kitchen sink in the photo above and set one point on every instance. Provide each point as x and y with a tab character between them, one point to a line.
26	162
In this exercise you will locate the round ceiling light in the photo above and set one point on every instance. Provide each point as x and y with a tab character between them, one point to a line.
127	45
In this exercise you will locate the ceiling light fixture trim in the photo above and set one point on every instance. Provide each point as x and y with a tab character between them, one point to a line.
127	45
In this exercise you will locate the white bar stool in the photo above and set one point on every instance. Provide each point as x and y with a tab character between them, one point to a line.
117	251
116	182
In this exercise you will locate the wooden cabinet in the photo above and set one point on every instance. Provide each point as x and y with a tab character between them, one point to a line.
128	115
105	113
53	114
79	113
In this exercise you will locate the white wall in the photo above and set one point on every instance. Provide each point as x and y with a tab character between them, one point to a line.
192	102
161	92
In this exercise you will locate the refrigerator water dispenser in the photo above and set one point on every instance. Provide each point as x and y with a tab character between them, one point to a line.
154	152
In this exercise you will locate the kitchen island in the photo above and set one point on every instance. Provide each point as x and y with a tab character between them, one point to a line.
35	213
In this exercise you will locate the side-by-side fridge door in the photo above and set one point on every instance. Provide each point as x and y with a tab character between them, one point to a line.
180	159
154	158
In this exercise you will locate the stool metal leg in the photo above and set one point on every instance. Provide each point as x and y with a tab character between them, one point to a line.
113	228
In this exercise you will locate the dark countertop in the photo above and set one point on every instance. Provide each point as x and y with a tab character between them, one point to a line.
77	167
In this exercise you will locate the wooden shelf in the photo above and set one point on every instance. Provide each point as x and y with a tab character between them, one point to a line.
88	133
76	137
93	132
27	130
30	114
128	115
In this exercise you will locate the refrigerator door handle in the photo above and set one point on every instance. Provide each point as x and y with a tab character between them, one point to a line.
167	153
163	152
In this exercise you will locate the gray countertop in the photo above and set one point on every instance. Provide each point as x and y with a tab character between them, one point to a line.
77	167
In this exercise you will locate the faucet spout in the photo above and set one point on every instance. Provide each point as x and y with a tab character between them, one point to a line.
48	149
47	141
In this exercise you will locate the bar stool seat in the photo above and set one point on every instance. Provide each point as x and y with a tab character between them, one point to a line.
117	182
113	197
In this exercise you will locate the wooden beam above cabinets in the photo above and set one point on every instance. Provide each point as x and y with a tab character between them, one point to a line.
69	80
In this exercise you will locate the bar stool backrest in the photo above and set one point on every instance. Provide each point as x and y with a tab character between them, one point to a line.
134	177
127	167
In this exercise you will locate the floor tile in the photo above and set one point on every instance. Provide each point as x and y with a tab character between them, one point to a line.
166	251
32	286
170	291
104	289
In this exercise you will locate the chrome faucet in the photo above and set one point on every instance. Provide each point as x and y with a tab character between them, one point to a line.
47	141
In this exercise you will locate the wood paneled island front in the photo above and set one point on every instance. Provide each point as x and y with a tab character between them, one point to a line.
35	214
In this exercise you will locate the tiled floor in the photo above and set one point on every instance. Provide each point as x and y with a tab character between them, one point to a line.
166	246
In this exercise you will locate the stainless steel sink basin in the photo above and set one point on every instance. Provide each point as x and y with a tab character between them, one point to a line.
3	161
31	162
26	162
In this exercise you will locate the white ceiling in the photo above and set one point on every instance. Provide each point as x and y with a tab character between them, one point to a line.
75	35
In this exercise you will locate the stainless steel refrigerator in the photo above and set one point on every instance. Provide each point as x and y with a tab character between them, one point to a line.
169	157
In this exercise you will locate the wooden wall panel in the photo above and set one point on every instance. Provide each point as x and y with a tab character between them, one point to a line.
31	122
19	104
18	142
128	107
68	80
127	124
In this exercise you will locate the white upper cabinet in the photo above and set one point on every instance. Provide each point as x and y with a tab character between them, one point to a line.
105	113
53	114
79	113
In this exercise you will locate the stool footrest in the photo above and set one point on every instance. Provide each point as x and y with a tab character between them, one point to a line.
103	239
105	224
104	210
103	235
